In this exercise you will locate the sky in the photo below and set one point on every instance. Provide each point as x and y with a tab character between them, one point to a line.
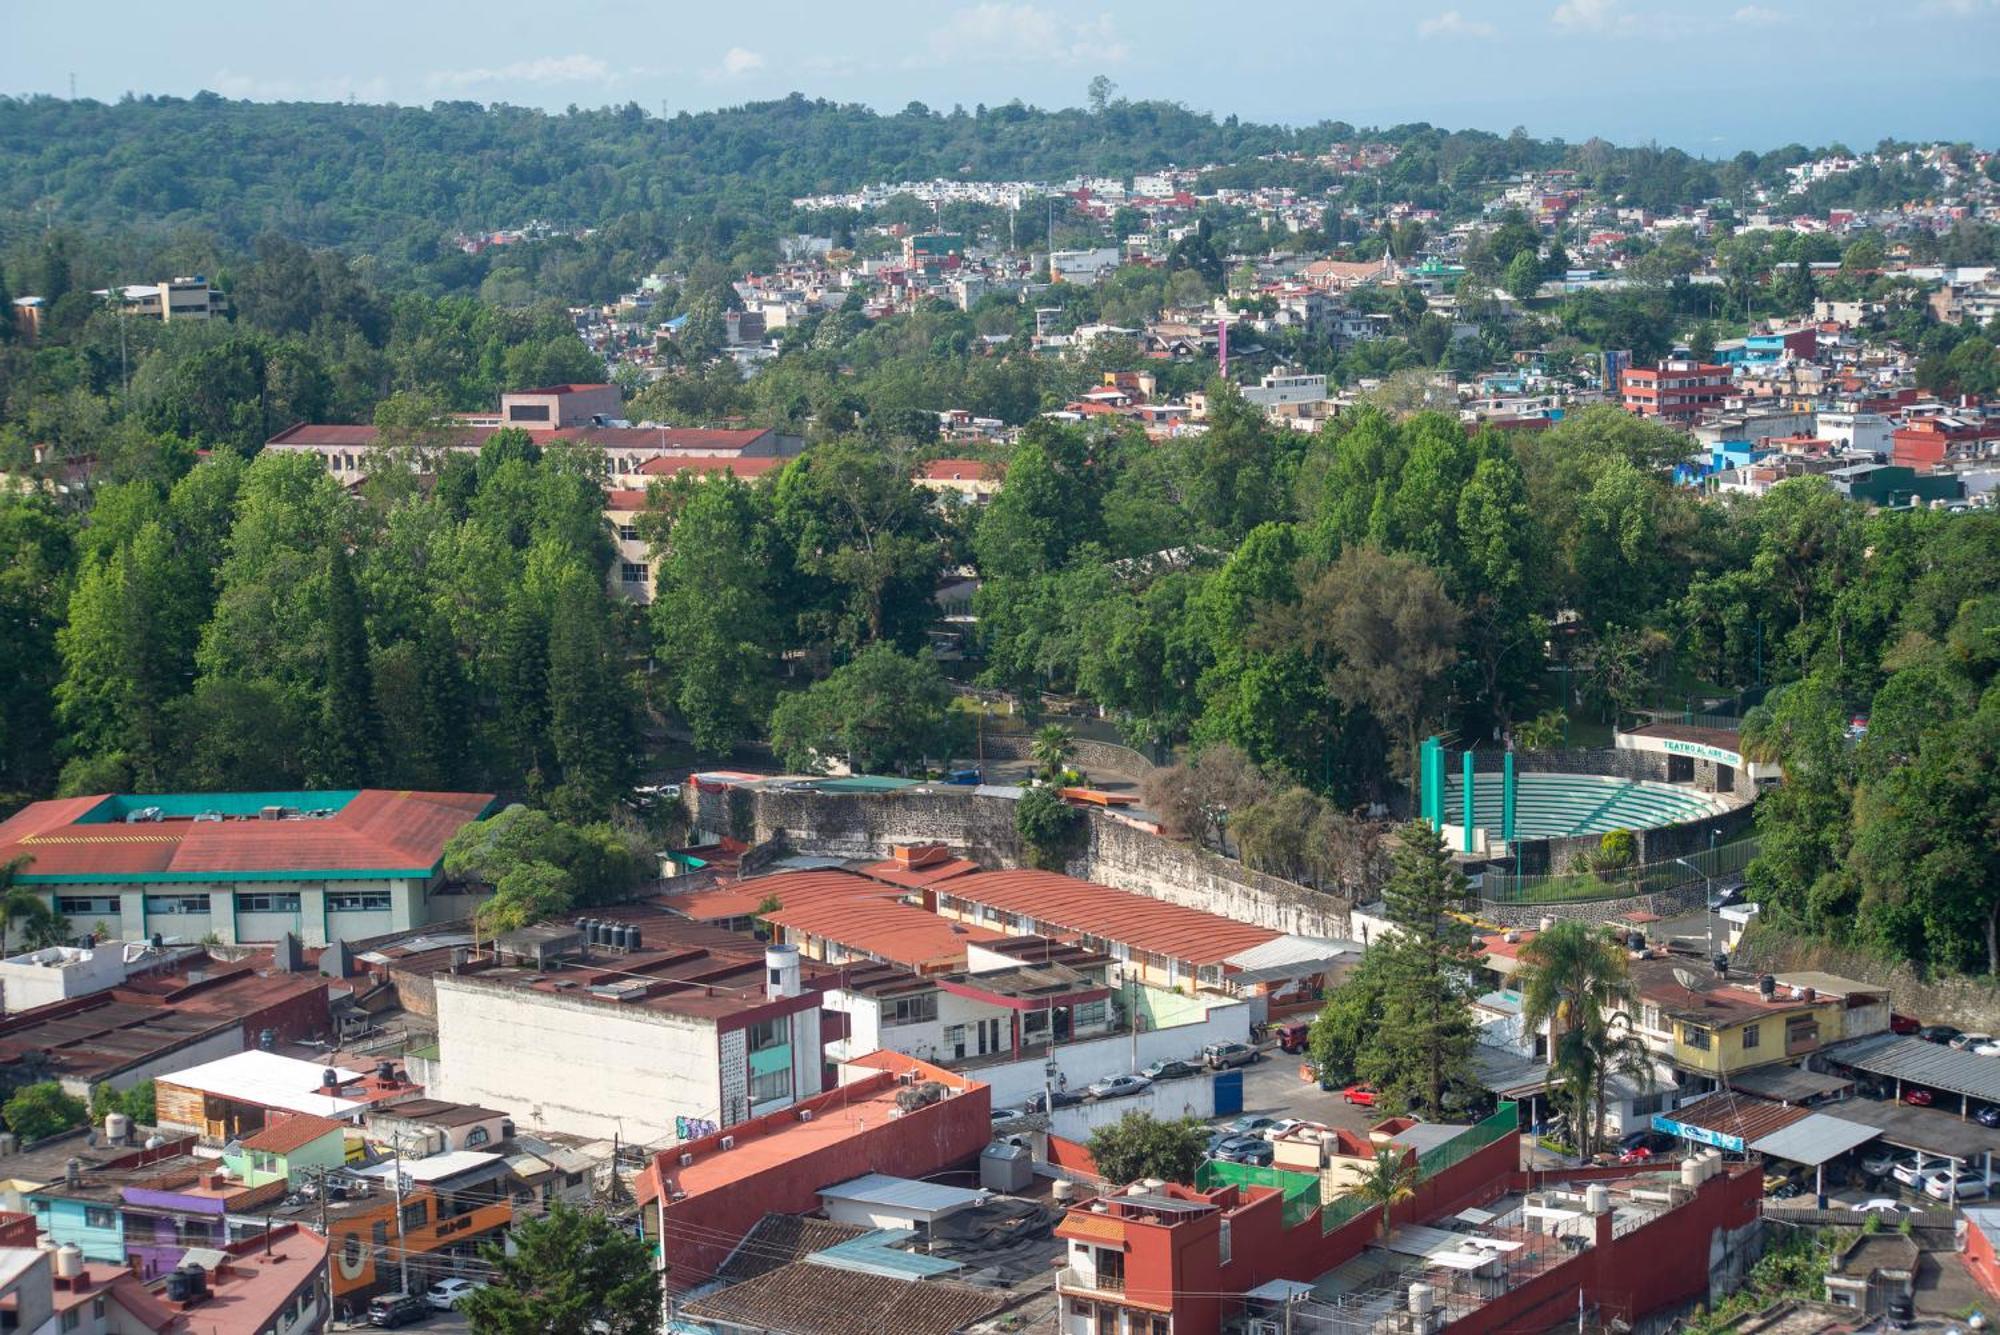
1710	76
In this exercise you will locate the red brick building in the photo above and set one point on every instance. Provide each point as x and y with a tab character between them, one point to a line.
1623	1241
703	1196
1674	391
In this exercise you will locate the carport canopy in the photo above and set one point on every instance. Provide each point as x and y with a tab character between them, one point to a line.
1814	1139
1916	1062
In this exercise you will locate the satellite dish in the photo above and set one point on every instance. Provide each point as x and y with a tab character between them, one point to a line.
1688	979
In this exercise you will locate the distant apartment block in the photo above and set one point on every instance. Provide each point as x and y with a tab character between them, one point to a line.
1675	391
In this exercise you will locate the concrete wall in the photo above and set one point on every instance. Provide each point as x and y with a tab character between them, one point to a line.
576	1066
1169	1100
1093	1059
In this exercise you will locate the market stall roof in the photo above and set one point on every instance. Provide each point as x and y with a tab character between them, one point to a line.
1930	1064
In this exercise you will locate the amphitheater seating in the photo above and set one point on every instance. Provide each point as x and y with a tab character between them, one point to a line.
1553	806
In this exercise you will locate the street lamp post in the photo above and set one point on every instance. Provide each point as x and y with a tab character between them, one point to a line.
1708	899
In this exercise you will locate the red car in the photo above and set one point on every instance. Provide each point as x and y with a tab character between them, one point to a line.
1904	1024
1917	1098
1637	1154
1364	1095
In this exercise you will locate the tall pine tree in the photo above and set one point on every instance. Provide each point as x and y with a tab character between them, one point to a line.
344	753
522	685
589	723
1427	1030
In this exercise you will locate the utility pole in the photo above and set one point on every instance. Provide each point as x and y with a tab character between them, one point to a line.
402	1244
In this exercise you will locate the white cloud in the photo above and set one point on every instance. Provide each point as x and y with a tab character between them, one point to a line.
1021	33
542	70
1593	16
1758	16
738	61
1451	23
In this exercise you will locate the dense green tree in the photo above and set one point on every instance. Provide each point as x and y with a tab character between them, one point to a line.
885	710
714	614
1139	1145
569	1270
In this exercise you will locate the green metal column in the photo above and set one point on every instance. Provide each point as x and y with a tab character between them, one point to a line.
1466	769
1507	800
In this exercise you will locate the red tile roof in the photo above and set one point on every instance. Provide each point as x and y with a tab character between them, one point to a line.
886	929
672	465
292	1133
1140	921
960	470
624	501
376	832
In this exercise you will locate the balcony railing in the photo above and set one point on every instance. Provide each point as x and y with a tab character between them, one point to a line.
1072	1280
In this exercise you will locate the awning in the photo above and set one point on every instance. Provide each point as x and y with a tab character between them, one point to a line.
1814	1139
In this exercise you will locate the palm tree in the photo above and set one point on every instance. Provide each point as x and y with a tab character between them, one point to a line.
1544	732
1391	1180
1052	749
1574	979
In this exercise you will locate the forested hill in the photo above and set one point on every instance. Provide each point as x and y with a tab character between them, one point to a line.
348	175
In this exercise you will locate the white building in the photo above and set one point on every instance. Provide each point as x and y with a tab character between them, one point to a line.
647	1044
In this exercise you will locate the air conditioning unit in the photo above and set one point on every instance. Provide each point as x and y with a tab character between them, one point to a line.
729	1142
805	1114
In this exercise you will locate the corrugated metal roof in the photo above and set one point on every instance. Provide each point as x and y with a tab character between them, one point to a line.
1737	1115
1788	1084
270	1080
902	1193
1918	1062
1814	1139
1289	950
877	1253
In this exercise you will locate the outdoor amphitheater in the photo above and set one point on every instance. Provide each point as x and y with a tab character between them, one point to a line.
1680	791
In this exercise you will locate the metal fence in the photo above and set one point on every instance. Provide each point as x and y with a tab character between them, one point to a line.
1300	1190
1651	878
1504	1122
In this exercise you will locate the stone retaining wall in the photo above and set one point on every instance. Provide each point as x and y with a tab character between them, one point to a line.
867	825
1666	903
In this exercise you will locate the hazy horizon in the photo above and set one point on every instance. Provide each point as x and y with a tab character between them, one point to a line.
1711	77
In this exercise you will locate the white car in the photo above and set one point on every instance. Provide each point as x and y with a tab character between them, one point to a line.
1964	1186
1118	1086
445	1294
1987	1049
1878	1163
1912	1170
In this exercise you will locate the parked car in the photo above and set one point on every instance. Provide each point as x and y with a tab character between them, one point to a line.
1911	1171
390	1310
1918	1097
1250	1124
1636	1154
1937	1033
1987	1115
1967	1042
1365	1095
1118	1086
1246	1149
1295	1036
1987	1049
444	1294
1964	1185
1905	1024
1169	1069
1219	1056
1879	1162
1008	1115
965	777
1659	1142
1063	1099
1726	893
